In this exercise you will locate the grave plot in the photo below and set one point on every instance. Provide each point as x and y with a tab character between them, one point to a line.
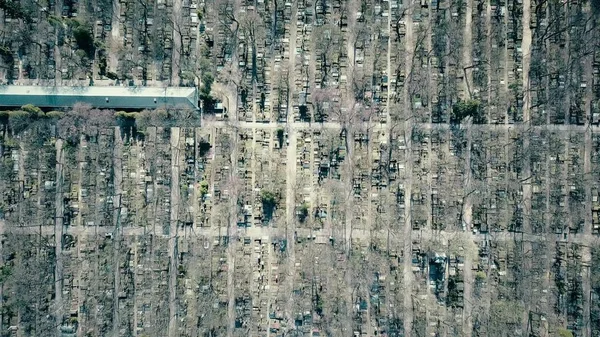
243	287
267	205
305	145
420	187
245	174
557	191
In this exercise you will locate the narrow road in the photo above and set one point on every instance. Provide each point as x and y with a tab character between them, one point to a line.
488	57
424	126
507	66
80	163
232	234
467	222
134	281
270	286
389	66
57	55
526	48
407	237
173	235
589	181
118	183
348	183
290	221
176	51
58	234
116	40
408	127
290	202
360	234
468	49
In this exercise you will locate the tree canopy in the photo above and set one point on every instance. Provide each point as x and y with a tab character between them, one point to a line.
469	108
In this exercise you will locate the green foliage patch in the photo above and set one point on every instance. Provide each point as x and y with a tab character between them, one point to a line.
469	108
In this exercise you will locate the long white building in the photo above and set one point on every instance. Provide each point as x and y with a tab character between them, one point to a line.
99	97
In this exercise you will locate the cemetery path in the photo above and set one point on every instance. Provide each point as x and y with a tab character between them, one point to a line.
176	52
291	163
526	48
408	127
174	224
468	49
115	37
118	183
58	234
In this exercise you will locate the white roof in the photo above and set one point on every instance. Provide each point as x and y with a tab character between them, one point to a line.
100	97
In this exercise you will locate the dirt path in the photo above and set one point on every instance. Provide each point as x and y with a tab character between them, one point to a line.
467	221
389	67
254	157
176	51
504	87
80	164
173	237
526	47
490	69
350	38
230	288
527	197
408	125
370	328
349	203
134	296
467	201
290	207
232	235
58	233
197	179
290	203
424	126
57	56
586	261
115	37
21	173
408	274
468	49
588	182
564	182
360	234
118	183
271	292
95	230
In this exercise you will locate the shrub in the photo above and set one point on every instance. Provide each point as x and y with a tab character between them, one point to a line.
468	108
149	118
203	188
126	115
84	39
562	332
205	90
268	197
55	114
18	114
269	203
280	134
506	312
303	212
33	110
